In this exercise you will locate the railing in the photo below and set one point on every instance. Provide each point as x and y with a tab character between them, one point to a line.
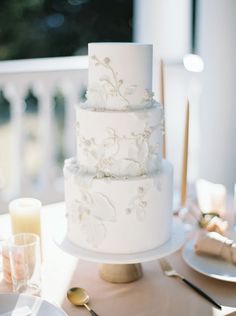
43	77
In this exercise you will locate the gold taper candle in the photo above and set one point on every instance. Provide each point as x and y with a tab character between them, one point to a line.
184	179
162	90
162	101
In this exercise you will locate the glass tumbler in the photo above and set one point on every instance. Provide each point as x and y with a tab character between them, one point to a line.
25	263
5	262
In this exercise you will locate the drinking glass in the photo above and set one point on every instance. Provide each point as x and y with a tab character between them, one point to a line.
25	263
5	262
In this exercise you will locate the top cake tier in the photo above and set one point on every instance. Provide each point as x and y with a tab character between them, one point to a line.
119	76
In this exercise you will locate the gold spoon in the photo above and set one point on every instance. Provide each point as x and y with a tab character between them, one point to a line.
79	297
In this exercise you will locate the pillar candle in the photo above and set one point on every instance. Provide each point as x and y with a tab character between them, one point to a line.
25	216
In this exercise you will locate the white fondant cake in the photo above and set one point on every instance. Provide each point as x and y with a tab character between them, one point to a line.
118	190
118	215
121	143
119	76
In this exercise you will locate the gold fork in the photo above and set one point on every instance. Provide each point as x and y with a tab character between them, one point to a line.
169	271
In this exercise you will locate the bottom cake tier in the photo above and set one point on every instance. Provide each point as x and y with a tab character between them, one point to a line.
118	215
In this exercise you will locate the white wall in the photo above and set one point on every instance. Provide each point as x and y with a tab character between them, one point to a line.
217	46
166	25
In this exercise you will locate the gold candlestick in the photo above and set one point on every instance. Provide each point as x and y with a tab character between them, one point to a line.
185	160
162	90
162	101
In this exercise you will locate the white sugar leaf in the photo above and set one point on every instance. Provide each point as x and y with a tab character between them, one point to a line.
130	166
141	213
158	183
93	153
78	128
139	140
154	135
84	182
104	78
111	132
103	208
110	141
142	150
112	92
111	149
141	115
92	157
94	231
86	199
130	89
132	151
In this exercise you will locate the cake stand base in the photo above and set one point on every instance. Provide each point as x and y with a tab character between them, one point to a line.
120	273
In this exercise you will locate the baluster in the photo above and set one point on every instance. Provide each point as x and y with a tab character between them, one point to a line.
16	98
44	82
71	96
46	132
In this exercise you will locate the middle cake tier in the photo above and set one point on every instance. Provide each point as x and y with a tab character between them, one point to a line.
119	143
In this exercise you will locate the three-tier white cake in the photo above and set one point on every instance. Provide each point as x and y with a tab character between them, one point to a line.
118	190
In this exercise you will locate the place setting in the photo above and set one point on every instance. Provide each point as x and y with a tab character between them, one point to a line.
27	305
209	223
212	262
22	263
209	220
211	249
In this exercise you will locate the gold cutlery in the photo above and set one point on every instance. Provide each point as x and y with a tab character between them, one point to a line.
79	297
169	271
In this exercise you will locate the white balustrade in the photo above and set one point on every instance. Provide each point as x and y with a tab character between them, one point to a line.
43	77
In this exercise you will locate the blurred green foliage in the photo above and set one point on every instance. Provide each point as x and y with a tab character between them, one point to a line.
50	28
47	28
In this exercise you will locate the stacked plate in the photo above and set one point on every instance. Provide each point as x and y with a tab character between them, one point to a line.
209	266
25	305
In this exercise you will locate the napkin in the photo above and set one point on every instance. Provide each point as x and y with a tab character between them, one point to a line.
215	224
214	244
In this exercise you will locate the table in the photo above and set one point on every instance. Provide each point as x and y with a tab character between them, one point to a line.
154	294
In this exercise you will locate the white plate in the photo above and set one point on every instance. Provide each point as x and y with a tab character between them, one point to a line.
209	266
175	242
38	306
